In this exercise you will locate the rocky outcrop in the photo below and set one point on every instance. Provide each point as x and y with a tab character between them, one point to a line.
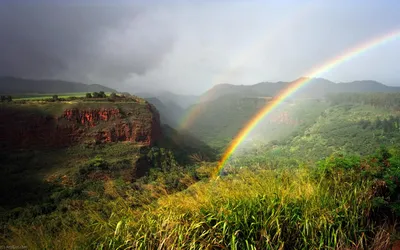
32	128
90	117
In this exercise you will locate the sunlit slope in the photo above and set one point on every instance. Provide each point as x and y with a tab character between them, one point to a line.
352	128
302	208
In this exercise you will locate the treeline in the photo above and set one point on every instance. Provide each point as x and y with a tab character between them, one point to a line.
387	100
390	124
5	98
100	94
93	97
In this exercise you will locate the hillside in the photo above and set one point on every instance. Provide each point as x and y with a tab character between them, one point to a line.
170	113
169	98
14	85
315	88
354	123
218	121
123	189
53	147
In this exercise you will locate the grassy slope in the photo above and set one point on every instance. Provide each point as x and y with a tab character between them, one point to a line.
255	209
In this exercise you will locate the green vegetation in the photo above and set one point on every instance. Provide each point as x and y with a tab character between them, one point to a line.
4	98
315	177
339	204
219	121
100	94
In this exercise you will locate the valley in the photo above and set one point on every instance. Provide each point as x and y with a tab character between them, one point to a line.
122	171
199	125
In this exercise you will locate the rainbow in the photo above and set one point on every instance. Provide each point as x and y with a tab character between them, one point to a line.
241	59
194	111
293	87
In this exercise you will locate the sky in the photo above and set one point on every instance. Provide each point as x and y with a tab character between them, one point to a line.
189	46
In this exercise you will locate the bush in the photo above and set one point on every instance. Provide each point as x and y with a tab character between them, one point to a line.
4	98
102	94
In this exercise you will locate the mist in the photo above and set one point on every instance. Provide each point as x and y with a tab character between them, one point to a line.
189	46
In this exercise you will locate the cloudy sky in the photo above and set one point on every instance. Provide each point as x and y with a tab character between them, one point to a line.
189	46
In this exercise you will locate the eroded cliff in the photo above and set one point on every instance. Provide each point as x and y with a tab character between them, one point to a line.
63	124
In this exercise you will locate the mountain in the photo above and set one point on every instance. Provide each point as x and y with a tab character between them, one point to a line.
314	88
184	101
170	113
133	181
218	121
14	85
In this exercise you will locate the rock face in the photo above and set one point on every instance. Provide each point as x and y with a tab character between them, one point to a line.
33	128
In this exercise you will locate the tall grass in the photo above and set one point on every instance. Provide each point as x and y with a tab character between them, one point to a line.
265	209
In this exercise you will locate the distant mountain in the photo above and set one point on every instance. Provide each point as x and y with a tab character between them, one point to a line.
315	88
184	144
170	113
184	101
14	85
221	119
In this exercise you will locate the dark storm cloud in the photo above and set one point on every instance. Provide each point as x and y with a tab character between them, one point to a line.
76	40
189	46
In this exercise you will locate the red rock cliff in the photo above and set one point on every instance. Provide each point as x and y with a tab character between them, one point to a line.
28	128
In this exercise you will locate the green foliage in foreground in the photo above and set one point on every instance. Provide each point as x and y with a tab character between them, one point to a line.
339	204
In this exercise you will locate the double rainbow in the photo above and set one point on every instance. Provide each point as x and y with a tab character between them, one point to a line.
292	88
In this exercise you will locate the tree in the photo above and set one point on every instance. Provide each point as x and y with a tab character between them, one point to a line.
88	95
55	97
102	94
96	95
113	95
378	123
9	98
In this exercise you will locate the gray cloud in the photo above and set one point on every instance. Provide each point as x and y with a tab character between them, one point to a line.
79	41
188	46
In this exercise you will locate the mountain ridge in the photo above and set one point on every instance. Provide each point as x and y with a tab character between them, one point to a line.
315	88
17	85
